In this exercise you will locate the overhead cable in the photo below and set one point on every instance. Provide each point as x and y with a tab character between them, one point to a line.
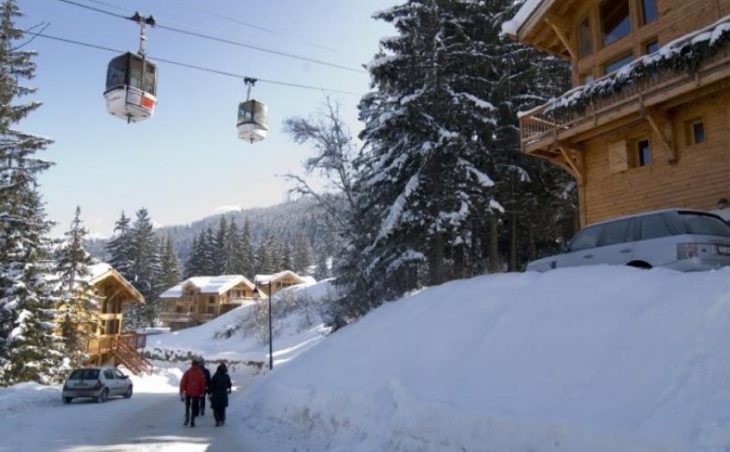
196	67
222	40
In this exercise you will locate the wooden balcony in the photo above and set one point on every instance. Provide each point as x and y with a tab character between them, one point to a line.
545	127
176	316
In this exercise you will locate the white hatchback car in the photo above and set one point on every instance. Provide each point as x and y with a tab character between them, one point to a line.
98	383
681	239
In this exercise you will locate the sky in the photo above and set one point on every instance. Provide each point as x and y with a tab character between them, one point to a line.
187	162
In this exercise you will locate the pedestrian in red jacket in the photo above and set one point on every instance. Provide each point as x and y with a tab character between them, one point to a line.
192	386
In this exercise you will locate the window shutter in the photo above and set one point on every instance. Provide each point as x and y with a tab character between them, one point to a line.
618	157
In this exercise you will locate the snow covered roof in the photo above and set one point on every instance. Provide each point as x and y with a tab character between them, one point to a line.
208	285
102	270
512	27
264	279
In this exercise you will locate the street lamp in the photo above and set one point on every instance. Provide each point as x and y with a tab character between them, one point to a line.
271	349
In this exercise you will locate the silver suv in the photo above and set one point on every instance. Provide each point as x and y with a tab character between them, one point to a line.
680	239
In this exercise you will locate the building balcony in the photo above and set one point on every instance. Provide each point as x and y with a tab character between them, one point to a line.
645	87
176	316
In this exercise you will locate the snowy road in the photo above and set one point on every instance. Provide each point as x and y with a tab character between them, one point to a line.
146	422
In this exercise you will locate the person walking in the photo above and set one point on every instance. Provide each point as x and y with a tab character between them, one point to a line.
206	372
220	387
192	386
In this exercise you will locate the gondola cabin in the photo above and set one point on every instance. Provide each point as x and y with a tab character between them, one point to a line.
252	120
131	86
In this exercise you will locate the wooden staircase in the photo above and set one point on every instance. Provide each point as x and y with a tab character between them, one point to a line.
124	350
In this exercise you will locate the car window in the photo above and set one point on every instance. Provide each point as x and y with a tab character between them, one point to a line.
84	374
654	226
108	374
614	232
698	223
587	238
118	373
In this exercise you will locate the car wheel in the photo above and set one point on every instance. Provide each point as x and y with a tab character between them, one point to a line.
103	396
67	399
128	394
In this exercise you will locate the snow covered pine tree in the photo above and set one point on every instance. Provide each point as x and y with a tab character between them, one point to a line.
29	349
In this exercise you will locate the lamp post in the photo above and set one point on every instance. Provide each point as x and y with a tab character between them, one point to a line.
271	348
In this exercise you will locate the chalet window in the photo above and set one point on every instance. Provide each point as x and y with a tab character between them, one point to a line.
211	310
584	33
694	131
648	11
642	153
179	309
615	20
651	47
211	299
615	65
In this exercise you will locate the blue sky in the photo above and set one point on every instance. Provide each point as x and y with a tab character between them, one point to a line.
187	161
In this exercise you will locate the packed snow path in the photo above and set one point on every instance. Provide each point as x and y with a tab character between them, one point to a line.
146	422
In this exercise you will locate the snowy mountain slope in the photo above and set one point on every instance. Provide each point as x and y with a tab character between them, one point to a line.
599	358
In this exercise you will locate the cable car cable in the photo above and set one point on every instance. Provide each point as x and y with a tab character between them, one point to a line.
228	19
222	40
200	68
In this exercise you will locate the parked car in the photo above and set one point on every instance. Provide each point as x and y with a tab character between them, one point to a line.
681	239
98	383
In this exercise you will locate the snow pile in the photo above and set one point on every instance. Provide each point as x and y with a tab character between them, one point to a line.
23	396
582	359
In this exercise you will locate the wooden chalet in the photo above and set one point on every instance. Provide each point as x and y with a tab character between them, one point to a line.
108	345
646	125
278	281
202	298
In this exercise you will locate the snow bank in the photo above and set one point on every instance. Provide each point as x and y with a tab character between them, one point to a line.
23	396
596	358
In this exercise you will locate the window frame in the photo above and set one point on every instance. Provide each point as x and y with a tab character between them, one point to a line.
605	42
624	56
635	158
690	131
642	11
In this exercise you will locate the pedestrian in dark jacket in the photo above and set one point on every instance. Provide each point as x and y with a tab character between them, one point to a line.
192	386
206	372
220	387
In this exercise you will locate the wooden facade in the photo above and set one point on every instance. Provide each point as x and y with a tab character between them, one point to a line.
281	280
107	344
655	143
199	299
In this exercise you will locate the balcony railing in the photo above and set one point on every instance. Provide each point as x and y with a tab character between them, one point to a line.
549	123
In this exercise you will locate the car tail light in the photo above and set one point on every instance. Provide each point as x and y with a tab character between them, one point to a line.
686	250
98	384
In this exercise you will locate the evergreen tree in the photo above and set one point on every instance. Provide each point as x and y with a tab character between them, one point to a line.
210	253
301	255
232	255
146	270
243	255
442	157
170	265
120	247
219	250
77	300
29	349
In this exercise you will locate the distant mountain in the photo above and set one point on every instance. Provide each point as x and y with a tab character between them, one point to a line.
283	221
